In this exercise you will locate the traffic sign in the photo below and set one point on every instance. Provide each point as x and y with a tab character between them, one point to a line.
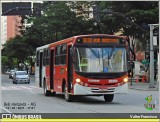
16	8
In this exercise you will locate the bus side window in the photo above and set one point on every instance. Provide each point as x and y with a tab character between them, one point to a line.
57	56
63	54
47	56
44	57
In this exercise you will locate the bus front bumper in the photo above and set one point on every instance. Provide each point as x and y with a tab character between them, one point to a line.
82	90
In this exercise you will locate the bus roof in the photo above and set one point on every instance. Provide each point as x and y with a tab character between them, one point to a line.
98	35
42	47
74	37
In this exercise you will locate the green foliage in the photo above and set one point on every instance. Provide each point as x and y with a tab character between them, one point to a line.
16	51
141	13
8	62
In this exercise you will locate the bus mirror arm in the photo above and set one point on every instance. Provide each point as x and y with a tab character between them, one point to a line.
71	51
129	67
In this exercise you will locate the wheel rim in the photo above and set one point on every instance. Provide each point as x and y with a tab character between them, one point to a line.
66	93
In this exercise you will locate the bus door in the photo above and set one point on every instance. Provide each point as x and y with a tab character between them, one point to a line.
70	68
40	69
52	69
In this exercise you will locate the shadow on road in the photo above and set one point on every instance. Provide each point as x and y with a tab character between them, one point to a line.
85	100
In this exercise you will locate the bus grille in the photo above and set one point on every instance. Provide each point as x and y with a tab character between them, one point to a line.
97	90
97	84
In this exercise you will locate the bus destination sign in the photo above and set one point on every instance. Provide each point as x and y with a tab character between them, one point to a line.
85	40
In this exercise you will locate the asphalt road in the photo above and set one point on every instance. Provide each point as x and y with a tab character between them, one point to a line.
29	98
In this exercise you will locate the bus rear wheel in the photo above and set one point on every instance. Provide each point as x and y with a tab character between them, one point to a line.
108	97
67	96
46	92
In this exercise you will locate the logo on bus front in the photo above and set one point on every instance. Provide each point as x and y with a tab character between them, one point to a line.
113	81
103	90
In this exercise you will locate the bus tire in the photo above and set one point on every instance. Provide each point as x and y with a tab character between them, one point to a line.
108	97
67	96
46	92
53	93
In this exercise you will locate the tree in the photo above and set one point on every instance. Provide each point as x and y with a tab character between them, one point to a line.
15	48
140	12
57	22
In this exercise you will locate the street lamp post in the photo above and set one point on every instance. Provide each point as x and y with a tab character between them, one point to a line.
159	64
151	85
0	55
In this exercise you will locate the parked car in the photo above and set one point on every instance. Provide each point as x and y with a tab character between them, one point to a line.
11	73
7	72
139	69
21	77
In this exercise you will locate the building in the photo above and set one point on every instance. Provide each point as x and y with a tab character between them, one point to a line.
3	29
13	23
81	9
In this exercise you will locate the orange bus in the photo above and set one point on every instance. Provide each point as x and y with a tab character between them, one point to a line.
95	64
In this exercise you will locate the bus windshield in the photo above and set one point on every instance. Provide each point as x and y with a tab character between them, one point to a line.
106	59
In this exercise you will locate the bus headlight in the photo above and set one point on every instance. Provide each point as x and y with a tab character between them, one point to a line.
78	80
125	79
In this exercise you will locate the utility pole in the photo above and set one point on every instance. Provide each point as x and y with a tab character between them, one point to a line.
152	82
158	64
151	85
0	55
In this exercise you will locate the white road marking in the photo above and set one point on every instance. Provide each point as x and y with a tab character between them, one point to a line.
36	87
25	87
14	88
6	110
3	88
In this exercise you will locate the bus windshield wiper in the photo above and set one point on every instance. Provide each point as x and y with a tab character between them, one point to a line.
109	56
95	53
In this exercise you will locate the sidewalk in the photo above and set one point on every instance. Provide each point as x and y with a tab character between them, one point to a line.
142	86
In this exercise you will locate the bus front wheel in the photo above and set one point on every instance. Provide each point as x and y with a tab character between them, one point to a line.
67	96
108	97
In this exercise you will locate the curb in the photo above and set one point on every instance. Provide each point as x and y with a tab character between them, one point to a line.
153	89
